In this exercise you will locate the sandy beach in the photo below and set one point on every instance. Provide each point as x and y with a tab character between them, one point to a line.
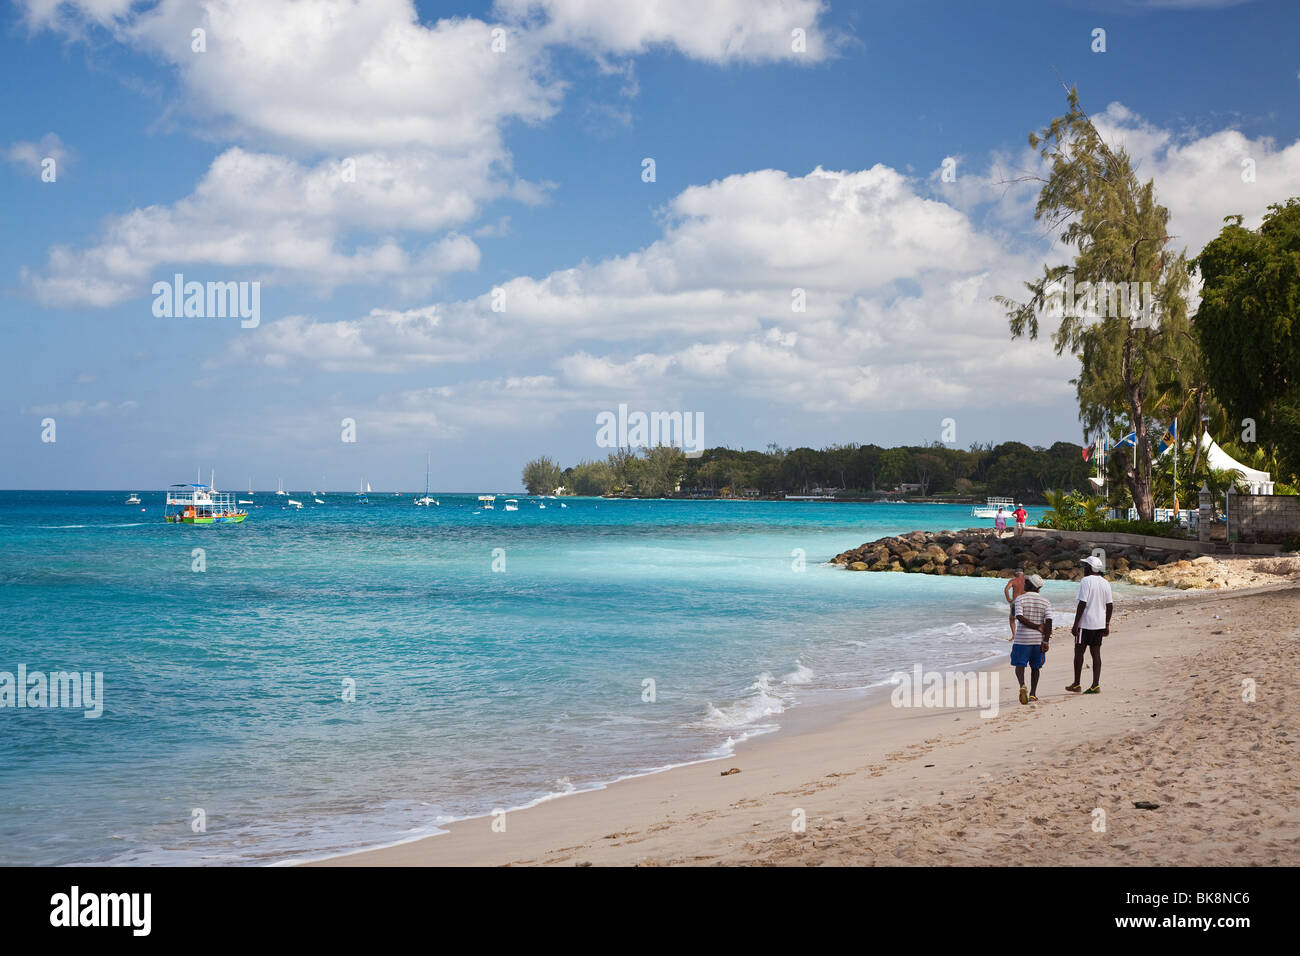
1050	783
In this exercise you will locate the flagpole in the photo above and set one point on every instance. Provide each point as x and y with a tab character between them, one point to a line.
1175	467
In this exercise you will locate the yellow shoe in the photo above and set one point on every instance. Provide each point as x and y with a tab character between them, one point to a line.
1024	695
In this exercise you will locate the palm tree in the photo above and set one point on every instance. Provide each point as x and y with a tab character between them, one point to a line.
1060	506
1094	511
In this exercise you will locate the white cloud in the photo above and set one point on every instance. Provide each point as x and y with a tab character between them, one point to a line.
31	155
889	277
331	75
719	31
418	109
75	408
1200	177
507	402
386	340
899	286
254	211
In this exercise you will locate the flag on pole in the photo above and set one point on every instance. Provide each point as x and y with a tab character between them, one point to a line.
1170	436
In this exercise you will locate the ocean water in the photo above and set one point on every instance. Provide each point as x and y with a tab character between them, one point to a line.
498	658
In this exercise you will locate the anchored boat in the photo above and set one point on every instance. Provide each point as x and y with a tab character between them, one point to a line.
199	504
426	501
990	509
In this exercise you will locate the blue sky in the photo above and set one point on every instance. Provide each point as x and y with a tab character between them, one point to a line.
522	170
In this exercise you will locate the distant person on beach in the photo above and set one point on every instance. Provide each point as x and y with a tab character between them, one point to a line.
1000	522
1020	515
1091	621
1015	587
1032	615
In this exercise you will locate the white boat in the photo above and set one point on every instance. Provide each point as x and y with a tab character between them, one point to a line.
362	489
133	500
426	501
295	504
541	504
990	509
250	487
563	505
243	501
512	504
279	487
487	502
318	501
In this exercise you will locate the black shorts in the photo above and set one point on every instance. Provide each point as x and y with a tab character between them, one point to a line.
1089	636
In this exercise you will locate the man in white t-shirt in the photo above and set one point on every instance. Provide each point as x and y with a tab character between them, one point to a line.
1091	621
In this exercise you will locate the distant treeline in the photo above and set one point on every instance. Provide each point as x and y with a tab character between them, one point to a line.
1011	468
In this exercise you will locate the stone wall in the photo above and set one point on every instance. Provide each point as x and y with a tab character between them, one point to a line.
1264	519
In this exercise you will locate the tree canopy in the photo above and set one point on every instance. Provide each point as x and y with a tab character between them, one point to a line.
1248	327
1130	331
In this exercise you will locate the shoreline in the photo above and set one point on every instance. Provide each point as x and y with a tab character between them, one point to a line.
692	813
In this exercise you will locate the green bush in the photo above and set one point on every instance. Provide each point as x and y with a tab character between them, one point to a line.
1077	512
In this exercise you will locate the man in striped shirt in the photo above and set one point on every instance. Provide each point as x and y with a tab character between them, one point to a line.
1031	614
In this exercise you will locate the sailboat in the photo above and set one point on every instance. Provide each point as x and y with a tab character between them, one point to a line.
426	501
279	489
250	487
361	494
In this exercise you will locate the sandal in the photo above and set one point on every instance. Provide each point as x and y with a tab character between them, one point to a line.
1094	689
1074	688
1032	698
1024	695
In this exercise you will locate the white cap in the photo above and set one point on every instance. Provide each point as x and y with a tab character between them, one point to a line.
1035	580
1095	563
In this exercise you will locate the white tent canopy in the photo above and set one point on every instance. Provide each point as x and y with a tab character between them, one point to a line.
1260	482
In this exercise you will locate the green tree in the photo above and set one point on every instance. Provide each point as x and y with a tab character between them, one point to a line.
927	466
895	466
1119	232
663	469
1248	326
542	476
592	478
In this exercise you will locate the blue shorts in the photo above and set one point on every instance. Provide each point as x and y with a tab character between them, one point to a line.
1031	654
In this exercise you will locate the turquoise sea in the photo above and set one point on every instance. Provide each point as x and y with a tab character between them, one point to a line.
483	678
